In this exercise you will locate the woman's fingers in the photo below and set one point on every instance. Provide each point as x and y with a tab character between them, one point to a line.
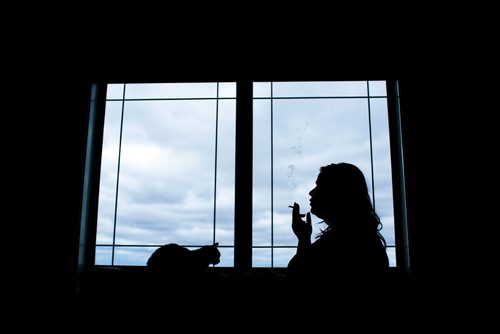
296	211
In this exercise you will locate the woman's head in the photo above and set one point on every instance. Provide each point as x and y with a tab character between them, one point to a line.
340	193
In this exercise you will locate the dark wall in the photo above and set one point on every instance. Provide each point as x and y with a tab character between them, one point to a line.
60	150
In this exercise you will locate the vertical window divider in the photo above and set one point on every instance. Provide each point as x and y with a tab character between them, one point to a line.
371	142
118	176
243	176
403	256
272	180
91	178
215	162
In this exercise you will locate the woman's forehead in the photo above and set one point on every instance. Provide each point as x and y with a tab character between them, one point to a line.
324	177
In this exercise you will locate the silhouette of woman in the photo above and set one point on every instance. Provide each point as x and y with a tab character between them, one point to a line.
351	247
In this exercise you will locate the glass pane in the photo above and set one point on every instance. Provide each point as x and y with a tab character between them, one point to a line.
171	90
227	89
315	89
261	89
114	91
132	256
378	88
382	168
261	257
261	210
109	168
224	227
166	173
391	252
226	257
282	256
103	256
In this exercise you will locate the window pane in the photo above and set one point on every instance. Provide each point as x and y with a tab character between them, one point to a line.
293	138
109	169
281	256
261	210
378	88
103	255
315	89
115	91
227	89
261	257
391	253
261	89
171	90
382	168
224	228
166	173
226	257
165	167
132	256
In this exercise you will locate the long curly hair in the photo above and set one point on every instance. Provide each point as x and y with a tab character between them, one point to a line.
349	199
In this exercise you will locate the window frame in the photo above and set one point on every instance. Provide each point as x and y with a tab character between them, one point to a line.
243	173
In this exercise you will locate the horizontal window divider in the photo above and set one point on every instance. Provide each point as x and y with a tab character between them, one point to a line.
317	97
174	99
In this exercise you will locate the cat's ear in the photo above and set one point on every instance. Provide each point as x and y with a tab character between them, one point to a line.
216	244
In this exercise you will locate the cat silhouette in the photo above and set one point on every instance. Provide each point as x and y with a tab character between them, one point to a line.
179	261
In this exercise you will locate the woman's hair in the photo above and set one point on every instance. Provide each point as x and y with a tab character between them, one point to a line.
347	187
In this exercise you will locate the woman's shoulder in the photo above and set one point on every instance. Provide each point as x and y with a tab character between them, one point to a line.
323	241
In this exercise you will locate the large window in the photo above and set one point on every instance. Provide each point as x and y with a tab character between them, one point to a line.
174	164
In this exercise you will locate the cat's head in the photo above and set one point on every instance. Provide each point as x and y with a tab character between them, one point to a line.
213	253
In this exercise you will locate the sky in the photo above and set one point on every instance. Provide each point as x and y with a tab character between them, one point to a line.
165	169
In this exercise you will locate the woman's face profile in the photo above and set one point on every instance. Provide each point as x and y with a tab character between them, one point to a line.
320	200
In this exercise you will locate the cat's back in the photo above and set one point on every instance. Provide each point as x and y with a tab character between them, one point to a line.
169	255
178	260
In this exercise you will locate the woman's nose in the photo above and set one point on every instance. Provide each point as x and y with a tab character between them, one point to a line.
312	191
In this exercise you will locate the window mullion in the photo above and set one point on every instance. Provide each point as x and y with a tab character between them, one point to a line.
398	177
243	176
90	195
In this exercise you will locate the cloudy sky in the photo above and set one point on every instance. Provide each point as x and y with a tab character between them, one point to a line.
170	186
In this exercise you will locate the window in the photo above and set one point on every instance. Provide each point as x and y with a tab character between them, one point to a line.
196	163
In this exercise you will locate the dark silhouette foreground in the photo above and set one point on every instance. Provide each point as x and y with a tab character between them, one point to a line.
349	255
345	267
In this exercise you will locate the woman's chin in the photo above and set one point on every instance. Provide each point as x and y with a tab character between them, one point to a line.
316	213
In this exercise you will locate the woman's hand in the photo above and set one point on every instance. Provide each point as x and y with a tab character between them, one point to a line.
301	228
